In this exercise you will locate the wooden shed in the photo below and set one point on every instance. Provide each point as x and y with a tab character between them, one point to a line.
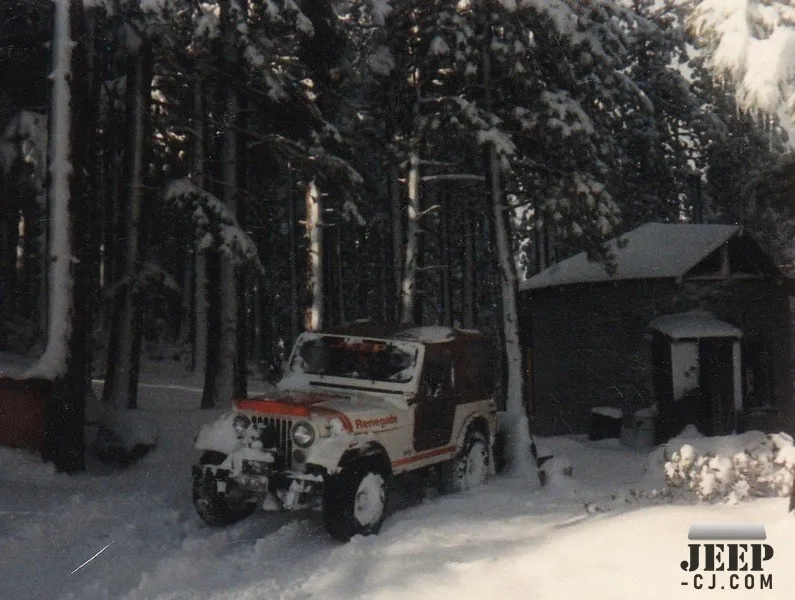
695	320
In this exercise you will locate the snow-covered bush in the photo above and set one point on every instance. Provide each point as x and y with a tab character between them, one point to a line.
123	437
762	468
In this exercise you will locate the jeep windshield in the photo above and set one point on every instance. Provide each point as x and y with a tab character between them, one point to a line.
355	358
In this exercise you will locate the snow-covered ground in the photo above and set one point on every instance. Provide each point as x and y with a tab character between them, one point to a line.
601	534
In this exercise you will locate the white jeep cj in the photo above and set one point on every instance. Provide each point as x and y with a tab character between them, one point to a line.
357	407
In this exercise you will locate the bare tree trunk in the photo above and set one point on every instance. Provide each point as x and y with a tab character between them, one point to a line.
52	364
518	429
71	410
444	225
314	232
340	274
201	306
468	268
199	256
384	276
243	296
184	331
228	294
396	209
111	265
413	233
291	217
224	381
121	377
213	274
66	357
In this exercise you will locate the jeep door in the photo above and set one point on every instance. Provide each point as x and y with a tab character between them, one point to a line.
436	400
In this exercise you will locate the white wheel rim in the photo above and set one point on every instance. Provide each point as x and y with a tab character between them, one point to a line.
368	506
476	465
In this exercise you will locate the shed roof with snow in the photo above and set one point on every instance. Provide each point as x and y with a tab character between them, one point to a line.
692	325
653	250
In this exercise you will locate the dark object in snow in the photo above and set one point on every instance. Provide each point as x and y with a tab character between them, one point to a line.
641	430
109	449
540	461
605	424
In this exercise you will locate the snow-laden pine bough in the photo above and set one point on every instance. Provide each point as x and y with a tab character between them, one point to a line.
356	408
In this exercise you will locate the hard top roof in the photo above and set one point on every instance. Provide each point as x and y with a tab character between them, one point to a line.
427	335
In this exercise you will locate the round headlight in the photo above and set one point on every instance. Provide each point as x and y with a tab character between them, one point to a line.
303	434
240	423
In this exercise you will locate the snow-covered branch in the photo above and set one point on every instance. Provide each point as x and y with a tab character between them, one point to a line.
211	216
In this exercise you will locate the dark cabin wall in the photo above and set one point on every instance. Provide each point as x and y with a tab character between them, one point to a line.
589	345
589	349
760	309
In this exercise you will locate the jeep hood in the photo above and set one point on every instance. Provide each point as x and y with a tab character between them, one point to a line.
356	411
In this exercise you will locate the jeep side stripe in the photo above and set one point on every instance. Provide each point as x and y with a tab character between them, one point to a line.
423	455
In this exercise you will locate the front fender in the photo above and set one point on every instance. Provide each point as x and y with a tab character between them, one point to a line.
327	452
219	435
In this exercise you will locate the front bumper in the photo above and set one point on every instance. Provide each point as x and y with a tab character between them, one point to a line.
269	488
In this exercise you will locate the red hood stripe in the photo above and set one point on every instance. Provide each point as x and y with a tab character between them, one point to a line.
294	406
273	407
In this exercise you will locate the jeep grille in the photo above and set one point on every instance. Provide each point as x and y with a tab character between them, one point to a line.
275	433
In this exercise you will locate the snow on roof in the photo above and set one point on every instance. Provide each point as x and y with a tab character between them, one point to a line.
429	335
652	251
694	325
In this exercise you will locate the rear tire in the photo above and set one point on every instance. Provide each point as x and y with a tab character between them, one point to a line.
355	501
215	509
470	467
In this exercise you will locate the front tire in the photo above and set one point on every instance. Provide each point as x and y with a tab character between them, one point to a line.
355	502
215	509
470	467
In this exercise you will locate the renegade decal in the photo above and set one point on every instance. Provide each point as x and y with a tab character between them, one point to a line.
380	422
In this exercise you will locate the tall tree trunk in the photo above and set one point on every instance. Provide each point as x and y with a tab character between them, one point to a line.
121	377
447	288
71	457
396	220
293	240
518	428
468	266
314	233
184	328
65	359
213	274
224	381
111	207
413	233
199	256
384	278
340	275
244	298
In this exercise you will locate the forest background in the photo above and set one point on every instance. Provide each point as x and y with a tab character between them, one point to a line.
200	181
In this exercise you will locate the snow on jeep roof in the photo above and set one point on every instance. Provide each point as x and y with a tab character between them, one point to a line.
433	334
428	335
